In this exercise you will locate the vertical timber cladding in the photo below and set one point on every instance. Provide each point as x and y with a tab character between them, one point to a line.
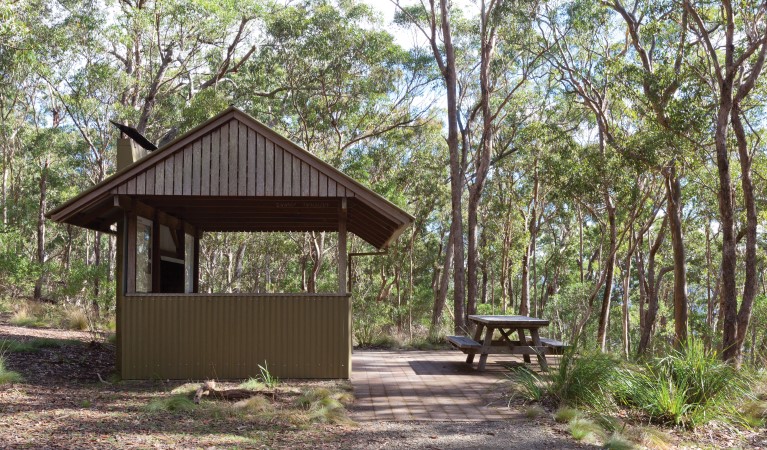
234	160
226	336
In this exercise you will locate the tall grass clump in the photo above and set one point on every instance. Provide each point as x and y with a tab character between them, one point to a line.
688	387
76	319
325	405
580	380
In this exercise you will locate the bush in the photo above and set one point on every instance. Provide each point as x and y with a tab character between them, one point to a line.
687	388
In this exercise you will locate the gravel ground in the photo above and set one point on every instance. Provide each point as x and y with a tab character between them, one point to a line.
512	434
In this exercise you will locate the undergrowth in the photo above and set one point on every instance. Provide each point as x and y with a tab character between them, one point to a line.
8	376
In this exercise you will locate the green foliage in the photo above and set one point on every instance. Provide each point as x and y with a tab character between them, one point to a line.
585	430
689	387
7	376
579	380
33	345
253	384
266	377
618	442
565	414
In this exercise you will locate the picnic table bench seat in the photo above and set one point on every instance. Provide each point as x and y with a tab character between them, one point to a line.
466	344
463	342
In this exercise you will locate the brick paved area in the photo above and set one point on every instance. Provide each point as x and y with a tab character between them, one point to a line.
432	386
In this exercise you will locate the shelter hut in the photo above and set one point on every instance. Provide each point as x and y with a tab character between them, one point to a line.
231	173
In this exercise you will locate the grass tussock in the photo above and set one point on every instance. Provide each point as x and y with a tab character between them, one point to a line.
253	384
565	414
257	404
8	376
534	411
76	319
687	388
586	430
326	406
174	403
618	442
24	318
582	381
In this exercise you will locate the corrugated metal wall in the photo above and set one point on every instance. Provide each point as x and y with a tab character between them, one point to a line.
226	336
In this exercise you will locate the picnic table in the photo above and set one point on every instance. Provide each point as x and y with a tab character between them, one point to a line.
484	344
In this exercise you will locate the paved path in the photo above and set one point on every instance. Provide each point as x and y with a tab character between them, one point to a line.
430	386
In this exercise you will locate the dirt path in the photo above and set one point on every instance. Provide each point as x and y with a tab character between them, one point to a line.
63	404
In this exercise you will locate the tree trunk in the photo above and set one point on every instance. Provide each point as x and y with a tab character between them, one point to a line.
604	314
38	292
674	211
626	296
749	202
651	284
439	303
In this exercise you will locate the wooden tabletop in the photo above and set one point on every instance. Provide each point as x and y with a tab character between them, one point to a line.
509	321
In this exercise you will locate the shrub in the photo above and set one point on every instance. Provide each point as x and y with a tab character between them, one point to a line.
687	388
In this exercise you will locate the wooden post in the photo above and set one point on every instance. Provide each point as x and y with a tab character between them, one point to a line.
130	249
196	264
156	253
120	279
342	255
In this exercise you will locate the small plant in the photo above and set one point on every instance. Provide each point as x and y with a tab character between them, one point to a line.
257	404
528	384
176	403
585	430
618	442
534	411
23	318
266	377
566	415
253	384
326	406
8	376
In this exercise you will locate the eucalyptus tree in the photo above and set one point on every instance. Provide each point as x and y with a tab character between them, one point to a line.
335	100
435	22
657	33
730	40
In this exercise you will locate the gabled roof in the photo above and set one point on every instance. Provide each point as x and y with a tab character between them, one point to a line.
233	173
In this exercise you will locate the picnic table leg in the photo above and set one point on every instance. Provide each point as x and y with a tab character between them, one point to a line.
486	344
523	341
477	336
537	343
